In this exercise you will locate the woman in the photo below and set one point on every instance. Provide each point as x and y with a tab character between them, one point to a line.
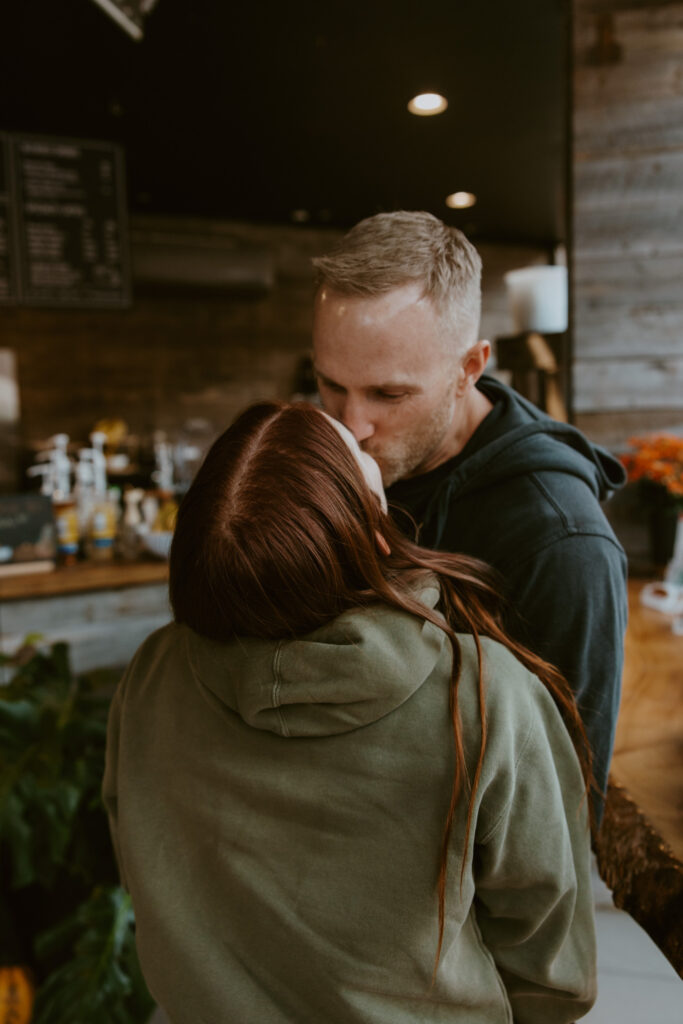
337	791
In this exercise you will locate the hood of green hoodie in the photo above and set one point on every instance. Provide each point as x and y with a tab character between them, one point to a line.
346	674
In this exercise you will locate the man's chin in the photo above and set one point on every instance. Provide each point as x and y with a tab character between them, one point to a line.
391	472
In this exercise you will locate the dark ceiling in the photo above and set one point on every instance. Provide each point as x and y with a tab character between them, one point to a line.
253	110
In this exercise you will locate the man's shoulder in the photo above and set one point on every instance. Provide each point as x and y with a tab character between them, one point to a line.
512	518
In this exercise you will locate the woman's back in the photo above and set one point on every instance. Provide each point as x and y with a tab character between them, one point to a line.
278	808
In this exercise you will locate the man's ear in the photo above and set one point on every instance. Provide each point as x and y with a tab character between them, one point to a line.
473	365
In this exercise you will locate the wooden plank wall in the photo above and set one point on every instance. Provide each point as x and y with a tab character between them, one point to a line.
178	355
628	216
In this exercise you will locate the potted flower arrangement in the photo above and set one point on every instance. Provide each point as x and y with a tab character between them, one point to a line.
655	463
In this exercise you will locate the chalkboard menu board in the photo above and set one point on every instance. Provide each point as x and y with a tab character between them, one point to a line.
8	283
64	223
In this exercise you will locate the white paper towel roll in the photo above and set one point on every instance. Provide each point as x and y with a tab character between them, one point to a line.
538	298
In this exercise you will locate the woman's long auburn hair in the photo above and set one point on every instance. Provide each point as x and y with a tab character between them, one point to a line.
277	536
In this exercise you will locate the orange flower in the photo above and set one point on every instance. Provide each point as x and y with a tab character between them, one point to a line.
656	457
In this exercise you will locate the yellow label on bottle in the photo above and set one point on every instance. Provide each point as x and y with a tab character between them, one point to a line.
66	521
103	527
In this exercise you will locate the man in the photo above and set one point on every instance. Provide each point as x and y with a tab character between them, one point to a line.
478	469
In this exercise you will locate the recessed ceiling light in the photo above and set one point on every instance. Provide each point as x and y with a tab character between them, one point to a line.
461	200
427	103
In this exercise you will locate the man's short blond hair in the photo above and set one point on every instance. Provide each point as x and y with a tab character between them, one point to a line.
390	250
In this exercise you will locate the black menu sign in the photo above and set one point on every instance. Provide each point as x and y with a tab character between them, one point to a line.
68	208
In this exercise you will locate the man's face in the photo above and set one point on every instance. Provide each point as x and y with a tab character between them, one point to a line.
385	371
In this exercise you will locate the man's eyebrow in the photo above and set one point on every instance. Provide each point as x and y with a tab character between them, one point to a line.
323	376
399	385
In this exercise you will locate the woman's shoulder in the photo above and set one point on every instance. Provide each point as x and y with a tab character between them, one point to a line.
520	711
164	646
507	682
527	743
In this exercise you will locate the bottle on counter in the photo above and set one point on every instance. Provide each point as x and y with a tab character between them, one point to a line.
132	524
55	468
99	504
68	533
167	512
164	521
104	527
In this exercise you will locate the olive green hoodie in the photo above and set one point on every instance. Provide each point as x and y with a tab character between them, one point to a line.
277	810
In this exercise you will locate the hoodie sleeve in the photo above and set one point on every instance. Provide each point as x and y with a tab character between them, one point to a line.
571	596
534	900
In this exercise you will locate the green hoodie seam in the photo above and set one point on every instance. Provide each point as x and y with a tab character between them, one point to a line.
275	692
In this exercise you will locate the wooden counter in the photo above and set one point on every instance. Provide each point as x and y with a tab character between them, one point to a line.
648	751
640	851
83	576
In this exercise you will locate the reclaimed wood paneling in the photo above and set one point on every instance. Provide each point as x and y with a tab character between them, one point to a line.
613	428
628	216
602	6
628	305
628	383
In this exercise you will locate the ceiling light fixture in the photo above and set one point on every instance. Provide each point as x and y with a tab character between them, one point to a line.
427	103
461	200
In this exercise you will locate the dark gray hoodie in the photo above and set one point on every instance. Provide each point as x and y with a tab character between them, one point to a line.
523	495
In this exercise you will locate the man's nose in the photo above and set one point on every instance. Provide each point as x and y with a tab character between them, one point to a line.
356	416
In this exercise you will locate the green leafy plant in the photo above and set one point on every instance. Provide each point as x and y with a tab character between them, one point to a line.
62	912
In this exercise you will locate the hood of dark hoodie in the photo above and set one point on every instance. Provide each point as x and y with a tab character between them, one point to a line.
529	441
522	440
344	675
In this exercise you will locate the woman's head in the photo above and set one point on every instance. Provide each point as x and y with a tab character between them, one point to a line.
278	532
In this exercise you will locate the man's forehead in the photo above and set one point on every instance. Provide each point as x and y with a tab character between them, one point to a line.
383	341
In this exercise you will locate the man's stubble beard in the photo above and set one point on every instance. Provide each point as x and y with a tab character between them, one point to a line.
402	457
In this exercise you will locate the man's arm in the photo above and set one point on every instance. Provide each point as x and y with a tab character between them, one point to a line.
569	605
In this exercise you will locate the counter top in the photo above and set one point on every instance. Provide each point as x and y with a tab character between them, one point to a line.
84	576
640	848
648	748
